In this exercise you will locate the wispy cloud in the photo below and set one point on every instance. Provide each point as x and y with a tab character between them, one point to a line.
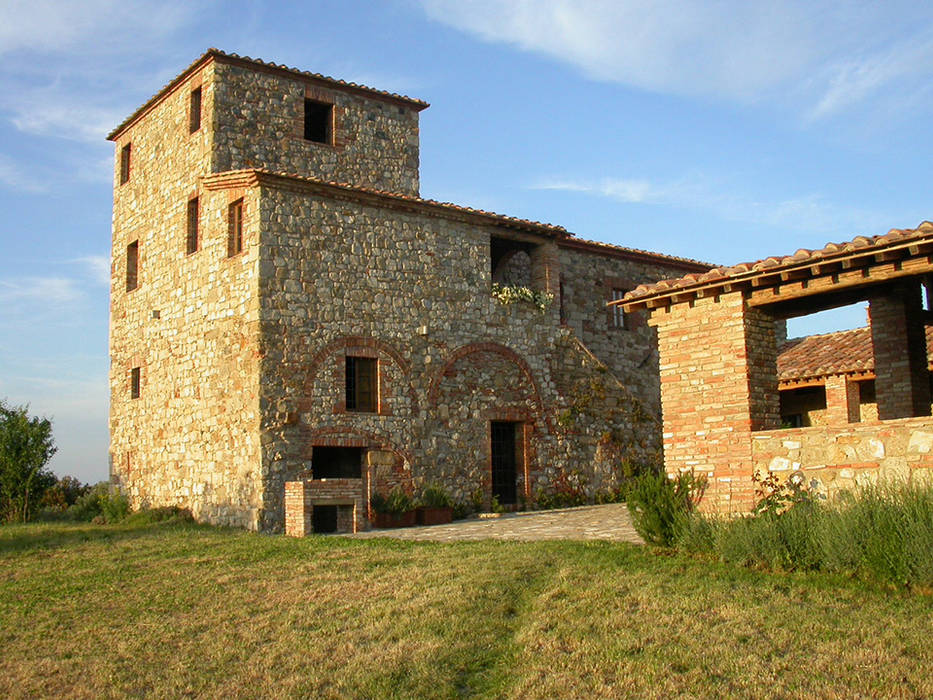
97	266
13	177
47	290
817	58
810	213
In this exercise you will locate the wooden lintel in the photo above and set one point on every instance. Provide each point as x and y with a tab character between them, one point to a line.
889	254
657	303
794	274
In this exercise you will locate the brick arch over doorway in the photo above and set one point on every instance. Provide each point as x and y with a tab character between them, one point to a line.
534	405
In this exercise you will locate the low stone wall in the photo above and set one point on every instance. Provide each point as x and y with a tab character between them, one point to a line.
838	457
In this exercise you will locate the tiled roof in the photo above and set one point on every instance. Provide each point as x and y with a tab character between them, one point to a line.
611	249
501	219
830	251
832	353
235	58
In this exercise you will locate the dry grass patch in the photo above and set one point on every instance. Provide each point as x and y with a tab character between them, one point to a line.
190	611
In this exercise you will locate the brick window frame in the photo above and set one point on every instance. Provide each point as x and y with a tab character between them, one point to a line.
135	382
236	212
125	162
617	320
195	109
192	226
324	98
132	266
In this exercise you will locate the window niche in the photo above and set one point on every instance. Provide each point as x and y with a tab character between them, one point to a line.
135	383
319	122
132	266
191	226
235	228
362	384
194	110
125	163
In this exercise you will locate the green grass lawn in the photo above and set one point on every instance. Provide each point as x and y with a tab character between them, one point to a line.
175	610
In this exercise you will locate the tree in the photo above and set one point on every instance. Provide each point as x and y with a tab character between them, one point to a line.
26	446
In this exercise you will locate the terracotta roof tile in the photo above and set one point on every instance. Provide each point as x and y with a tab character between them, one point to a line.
831	353
723	274
212	52
509	220
636	252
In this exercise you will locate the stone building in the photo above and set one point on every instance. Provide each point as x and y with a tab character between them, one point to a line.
286	308
721	375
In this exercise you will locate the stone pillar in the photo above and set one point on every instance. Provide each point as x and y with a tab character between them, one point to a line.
718	384
298	509
842	400
898	338
545	273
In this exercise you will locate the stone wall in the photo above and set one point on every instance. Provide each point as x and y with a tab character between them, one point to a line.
837	457
259	123
191	326
588	279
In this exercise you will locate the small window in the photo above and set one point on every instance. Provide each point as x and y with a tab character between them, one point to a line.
318	121
191	237
125	163
619	318
134	383
194	111
132	266
362	384
235	228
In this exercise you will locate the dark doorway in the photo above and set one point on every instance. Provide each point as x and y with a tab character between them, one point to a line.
324	519
504	464
336	462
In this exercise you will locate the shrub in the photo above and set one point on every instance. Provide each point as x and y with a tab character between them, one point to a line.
396	503
435	496
660	506
101	501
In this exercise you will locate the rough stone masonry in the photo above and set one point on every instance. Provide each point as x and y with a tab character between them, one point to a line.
285	308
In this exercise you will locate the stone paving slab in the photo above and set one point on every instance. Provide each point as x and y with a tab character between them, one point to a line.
606	522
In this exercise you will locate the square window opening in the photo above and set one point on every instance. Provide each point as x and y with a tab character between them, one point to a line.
191	236
125	163
337	462
194	111
319	117
362	387
235	228
134	383
132	266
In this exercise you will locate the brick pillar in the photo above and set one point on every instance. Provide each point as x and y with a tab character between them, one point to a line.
842	400
898	339
545	273
718	362
298	509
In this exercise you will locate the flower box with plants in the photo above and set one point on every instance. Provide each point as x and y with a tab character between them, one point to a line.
395	510
436	507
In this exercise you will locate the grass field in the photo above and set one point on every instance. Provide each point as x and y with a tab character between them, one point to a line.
181	610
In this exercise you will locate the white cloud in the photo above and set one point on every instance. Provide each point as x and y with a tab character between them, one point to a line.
48	290
59	26
815	57
98	267
812	213
13	177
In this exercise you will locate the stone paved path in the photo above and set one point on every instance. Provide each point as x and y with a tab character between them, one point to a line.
607	522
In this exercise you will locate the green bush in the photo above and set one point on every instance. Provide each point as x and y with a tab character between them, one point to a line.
102	502
661	506
396	503
883	532
435	496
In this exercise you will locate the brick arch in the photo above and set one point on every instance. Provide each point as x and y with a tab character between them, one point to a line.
538	413
345	436
381	347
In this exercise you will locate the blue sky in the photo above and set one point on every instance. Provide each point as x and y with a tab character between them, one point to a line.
724	131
